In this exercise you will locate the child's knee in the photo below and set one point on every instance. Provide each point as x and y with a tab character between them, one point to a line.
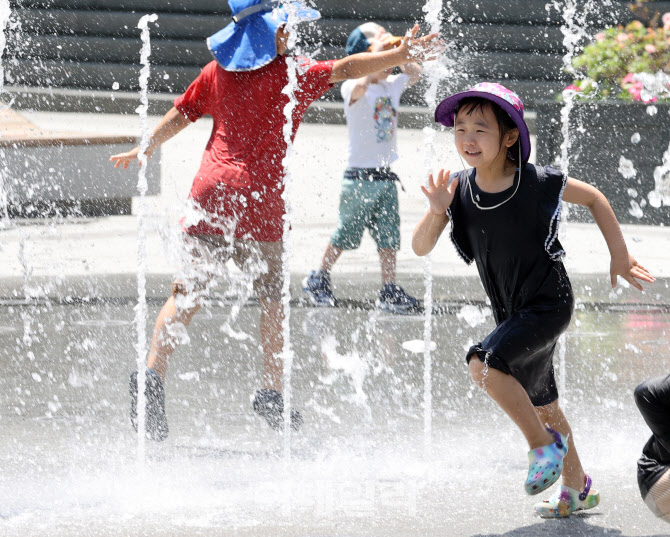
478	370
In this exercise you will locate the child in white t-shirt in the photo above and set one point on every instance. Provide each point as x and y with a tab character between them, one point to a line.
369	197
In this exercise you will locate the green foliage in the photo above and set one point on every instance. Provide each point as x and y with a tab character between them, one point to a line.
606	64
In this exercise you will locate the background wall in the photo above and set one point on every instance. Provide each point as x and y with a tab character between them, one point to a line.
94	44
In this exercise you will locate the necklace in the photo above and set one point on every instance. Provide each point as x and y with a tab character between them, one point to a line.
472	197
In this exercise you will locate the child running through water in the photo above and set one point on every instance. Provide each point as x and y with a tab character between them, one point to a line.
369	197
505	214
238	189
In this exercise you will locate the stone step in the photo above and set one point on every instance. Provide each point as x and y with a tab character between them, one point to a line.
331	32
484	11
174	79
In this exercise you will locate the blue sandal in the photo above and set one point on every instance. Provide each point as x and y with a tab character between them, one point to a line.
546	464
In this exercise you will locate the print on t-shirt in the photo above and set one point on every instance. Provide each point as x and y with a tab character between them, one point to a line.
384	116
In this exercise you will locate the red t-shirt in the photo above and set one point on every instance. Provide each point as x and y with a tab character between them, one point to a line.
243	158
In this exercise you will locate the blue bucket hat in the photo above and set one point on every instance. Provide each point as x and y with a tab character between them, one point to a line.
249	42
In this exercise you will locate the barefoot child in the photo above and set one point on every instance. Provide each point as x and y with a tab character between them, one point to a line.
238	189
369	197
505	214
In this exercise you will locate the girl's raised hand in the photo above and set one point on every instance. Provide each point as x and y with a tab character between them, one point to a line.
440	193
630	270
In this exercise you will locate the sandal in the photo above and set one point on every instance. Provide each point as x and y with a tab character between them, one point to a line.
546	464
568	500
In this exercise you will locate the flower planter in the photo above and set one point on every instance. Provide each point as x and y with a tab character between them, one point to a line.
601	132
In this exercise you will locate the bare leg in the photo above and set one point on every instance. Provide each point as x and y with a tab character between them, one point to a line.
272	340
573	473
512	398
163	344
387	259
331	255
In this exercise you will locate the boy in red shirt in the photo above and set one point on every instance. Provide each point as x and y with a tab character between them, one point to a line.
237	193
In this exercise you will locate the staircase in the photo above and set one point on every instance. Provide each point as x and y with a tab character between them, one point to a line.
61	45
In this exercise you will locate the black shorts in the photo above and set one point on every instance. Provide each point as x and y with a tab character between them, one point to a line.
523	346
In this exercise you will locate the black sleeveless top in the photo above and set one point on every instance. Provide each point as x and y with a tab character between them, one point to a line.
512	236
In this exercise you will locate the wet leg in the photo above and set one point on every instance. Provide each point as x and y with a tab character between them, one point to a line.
573	473
163	344
387	258
272	341
513	399
330	256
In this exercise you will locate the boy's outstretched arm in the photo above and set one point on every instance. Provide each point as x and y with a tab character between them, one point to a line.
412	49
623	264
440	195
170	124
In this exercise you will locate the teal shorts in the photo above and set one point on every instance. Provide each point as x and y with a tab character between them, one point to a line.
372	205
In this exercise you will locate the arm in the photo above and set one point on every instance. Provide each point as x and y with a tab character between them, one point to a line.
440	195
365	63
170	124
359	89
623	264
413	70
428	231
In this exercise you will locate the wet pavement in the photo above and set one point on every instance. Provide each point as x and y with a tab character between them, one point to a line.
68	456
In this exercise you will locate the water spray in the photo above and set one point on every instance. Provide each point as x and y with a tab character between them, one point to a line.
287	181
142	213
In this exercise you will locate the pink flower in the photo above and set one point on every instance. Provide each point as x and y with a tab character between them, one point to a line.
636	93
622	37
572	87
600	37
628	79
652	100
666	21
651	49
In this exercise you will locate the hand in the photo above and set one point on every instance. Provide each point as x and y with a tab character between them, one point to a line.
629	269
123	159
422	49
440	193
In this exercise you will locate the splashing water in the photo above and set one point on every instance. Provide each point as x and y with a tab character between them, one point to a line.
573	30
432	9
287	352
5	12
142	213
661	193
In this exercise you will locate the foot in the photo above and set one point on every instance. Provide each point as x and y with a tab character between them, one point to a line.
318	289
546	463
269	404
394	299
568	500
156	424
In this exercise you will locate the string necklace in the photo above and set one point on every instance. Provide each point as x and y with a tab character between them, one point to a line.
472	197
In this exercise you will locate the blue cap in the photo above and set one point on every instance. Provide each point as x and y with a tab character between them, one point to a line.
249	42
357	42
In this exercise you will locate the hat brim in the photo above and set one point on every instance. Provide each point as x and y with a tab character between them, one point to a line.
445	113
251	43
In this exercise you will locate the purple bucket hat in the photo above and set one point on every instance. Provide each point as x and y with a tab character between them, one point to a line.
509	101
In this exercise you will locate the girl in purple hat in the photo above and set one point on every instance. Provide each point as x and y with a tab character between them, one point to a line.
504	216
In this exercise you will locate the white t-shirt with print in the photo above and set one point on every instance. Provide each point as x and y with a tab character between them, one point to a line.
372	121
